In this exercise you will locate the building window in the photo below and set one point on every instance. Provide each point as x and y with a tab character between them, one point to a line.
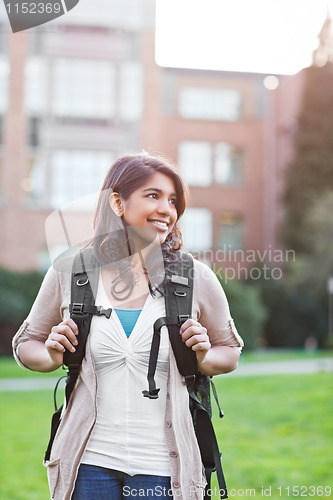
2	127
127	14
84	88
228	164
34	183
4	84
33	131
209	104
2	186
230	235
36	40
197	229
201	163
131	91
35	86
75	174
4	30
59	177
194	161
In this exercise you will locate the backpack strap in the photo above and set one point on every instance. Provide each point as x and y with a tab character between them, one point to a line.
178	306
204	431
82	308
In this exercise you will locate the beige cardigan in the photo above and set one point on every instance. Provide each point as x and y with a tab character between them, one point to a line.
210	307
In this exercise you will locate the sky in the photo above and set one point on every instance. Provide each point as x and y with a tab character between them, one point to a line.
257	36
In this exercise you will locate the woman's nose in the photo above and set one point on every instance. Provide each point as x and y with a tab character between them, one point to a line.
164	206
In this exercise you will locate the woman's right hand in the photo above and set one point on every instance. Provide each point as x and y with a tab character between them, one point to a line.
62	337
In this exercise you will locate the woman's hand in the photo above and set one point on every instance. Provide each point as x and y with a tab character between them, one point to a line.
62	337
212	360
195	336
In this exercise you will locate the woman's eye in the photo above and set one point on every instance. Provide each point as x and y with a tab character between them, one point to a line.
152	195
173	201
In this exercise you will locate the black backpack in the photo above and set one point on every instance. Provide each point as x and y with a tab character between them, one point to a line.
178	305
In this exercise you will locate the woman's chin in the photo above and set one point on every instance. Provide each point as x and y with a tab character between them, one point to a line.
142	236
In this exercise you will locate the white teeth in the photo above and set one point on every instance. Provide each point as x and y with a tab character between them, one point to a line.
163	225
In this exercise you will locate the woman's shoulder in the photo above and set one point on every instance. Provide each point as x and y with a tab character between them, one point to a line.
204	274
56	281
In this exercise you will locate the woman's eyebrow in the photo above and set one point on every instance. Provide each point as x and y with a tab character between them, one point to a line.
158	190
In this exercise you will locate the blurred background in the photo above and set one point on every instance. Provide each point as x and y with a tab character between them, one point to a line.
254	146
240	96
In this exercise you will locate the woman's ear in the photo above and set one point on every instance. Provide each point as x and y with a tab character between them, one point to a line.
116	204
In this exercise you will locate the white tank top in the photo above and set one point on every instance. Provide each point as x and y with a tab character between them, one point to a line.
129	432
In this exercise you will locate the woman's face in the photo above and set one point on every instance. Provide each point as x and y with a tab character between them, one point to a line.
153	206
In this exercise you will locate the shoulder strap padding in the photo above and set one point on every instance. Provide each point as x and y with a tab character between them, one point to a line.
84	282
178	307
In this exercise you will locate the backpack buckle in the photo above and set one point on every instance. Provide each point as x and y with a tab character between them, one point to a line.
182	318
152	394
179	280
104	312
77	308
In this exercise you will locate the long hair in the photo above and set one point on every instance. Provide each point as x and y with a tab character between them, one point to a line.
126	175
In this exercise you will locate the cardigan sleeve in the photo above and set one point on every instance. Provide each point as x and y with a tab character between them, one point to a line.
49	309
211	308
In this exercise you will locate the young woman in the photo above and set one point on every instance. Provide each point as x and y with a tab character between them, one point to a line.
112	442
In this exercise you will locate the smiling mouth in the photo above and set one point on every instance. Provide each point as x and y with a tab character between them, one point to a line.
159	224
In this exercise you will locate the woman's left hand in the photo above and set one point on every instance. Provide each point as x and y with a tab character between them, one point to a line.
195	336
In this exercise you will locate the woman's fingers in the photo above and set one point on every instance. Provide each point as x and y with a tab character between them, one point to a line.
195	335
199	343
60	342
63	336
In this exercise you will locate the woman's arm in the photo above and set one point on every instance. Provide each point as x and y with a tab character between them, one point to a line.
48	356
219	359
212	360
211	333
42	338
34	355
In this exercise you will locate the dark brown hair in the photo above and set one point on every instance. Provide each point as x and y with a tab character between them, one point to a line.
128	174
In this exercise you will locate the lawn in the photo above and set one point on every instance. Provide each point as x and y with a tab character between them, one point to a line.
24	422
10	369
266	355
277	433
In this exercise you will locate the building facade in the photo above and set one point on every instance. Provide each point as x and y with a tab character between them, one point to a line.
231	134
78	94
72	101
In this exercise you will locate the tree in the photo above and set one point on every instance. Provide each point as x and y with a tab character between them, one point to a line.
247	310
310	175
17	293
312	269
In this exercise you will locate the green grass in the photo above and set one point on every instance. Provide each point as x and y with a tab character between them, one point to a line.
283	355
24	422
10	369
277	432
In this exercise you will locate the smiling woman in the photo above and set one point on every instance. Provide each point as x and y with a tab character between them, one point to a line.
153	204
143	189
122	439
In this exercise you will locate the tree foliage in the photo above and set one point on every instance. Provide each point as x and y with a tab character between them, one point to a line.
311	270
293	316
17	293
247	310
310	175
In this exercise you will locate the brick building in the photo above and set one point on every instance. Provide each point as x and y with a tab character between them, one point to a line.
85	90
231	136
